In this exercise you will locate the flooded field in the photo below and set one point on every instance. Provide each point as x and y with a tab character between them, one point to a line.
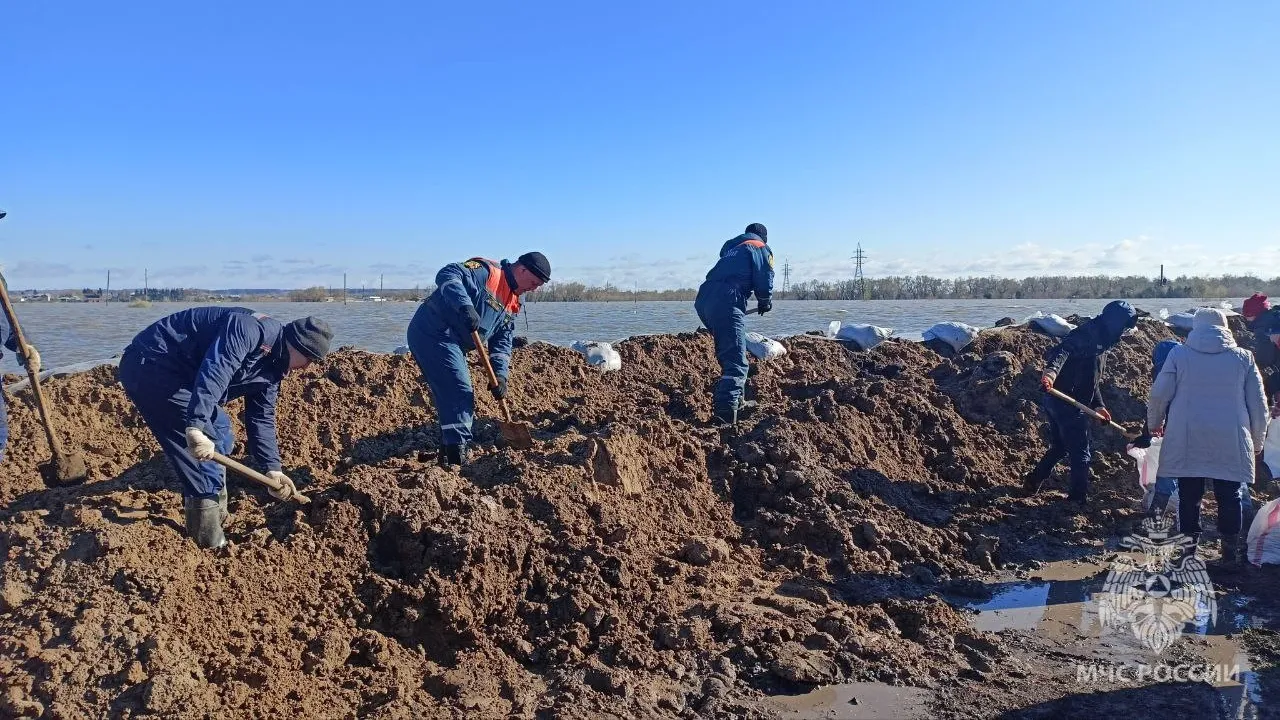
74	333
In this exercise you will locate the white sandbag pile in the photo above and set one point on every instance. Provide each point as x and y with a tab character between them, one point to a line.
1050	324
763	348
599	354
957	335
863	336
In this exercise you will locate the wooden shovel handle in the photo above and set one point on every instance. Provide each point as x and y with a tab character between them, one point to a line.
493	377
54	445
1089	411
252	474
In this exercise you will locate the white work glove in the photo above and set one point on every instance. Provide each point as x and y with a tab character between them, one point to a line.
287	488
201	447
33	358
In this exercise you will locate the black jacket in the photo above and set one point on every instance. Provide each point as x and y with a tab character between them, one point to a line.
1077	360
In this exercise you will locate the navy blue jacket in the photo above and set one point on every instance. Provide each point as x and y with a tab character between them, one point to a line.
465	283
1265	353
223	353
746	269
1077	360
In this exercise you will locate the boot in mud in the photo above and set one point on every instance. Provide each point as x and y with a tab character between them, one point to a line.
1031	484
747	408
224	508
1230	553
455	455
204	522
724	418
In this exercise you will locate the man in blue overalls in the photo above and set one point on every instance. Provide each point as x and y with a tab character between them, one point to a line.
745	266
181	370
30	359
476	295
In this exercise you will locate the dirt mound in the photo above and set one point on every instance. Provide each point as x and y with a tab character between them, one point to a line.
637	563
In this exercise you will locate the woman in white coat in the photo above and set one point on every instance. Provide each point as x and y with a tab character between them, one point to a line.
1209	399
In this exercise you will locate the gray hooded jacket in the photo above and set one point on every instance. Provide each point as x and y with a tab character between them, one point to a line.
1209	398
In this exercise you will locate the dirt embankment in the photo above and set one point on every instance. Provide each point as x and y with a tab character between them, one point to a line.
637	563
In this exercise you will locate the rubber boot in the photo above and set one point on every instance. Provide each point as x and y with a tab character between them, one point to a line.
204	522
725	418
224	508
1031	484
746	408
1230	553
1194	549
453	455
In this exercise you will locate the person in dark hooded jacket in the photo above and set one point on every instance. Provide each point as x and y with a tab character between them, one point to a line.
1264	322
1075	367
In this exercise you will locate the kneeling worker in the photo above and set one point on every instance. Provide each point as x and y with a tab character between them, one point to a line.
181	370
476	295
745	266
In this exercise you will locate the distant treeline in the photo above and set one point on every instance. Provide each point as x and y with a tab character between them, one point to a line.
924	287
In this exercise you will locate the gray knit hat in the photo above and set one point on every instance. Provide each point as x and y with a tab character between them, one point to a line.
310	335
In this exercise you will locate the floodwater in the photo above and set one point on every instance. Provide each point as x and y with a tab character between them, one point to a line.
69	333
1065	602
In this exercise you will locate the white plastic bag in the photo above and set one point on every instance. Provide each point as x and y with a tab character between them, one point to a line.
864	336
1054	325
957	335
764	348
1148	471
599	354
1263	545
1271	448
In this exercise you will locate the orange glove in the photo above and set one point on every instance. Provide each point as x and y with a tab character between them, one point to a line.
1104	415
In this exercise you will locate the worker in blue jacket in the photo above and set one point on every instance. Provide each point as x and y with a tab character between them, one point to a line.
181	370
745	266
1074	367
476	295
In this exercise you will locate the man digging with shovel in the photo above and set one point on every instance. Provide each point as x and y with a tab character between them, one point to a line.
181	370
474	307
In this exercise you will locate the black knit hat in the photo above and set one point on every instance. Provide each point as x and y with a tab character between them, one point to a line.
537	264
310	335
758	229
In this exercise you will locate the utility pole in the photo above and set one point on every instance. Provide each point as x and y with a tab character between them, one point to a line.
344	288
146	285
380	288
786	276
859	281
108	298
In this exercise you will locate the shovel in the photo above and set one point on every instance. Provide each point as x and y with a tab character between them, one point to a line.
252	474
516	434
68	468
1090	412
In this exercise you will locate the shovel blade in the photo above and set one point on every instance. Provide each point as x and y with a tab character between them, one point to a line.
517	435
69	468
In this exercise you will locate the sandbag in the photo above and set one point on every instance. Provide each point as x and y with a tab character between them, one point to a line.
1148	470
864	336
599	354
1263	544
1182	321
957	335
763	348
1271	448
1054	325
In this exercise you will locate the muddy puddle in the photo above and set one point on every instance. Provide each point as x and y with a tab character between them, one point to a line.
1133	624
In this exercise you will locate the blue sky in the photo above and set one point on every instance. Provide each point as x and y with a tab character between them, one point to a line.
280	144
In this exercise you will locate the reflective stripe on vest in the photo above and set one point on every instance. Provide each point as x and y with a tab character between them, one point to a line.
497	287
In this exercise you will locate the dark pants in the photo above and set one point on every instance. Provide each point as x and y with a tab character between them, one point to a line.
1069	439
1228	494
4	422
444	367
718	308
162	401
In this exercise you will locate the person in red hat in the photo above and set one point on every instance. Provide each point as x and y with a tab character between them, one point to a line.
1264	322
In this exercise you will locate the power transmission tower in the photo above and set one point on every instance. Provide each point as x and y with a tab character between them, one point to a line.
859	281
786	276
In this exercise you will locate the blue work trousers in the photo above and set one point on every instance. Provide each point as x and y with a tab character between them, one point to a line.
720	309
444	368
162	399
1069	438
